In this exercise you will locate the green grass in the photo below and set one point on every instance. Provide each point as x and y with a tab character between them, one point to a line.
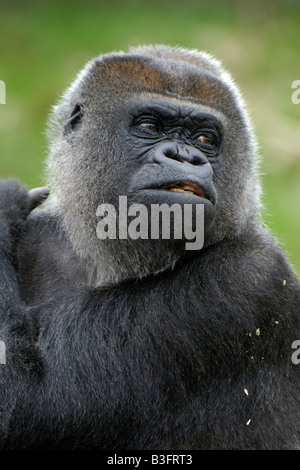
44	44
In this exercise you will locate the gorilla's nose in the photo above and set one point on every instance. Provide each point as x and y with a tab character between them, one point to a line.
179	152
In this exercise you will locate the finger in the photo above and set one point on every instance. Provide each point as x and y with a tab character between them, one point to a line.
36	197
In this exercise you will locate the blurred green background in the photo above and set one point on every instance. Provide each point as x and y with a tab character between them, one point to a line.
44	44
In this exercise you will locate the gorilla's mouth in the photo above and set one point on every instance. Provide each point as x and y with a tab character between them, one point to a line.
185	187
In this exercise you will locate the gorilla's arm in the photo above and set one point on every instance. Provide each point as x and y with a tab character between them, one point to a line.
16	332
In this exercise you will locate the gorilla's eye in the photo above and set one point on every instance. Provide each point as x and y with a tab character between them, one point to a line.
150	125
205	139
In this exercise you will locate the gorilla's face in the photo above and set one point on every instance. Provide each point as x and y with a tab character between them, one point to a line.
168	150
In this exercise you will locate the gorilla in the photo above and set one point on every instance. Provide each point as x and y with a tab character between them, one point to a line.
137	342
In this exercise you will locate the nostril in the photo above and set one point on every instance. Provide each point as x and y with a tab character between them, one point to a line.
194	157
170	153
195	160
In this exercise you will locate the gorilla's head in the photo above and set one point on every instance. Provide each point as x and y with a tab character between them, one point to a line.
158	125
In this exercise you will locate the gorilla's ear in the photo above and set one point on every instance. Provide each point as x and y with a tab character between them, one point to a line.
73	121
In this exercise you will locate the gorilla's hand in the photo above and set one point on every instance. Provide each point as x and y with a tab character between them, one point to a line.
16	202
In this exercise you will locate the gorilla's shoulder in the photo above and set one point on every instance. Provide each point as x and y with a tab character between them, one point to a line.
45	258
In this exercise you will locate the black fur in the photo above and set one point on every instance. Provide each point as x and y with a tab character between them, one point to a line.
197	356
